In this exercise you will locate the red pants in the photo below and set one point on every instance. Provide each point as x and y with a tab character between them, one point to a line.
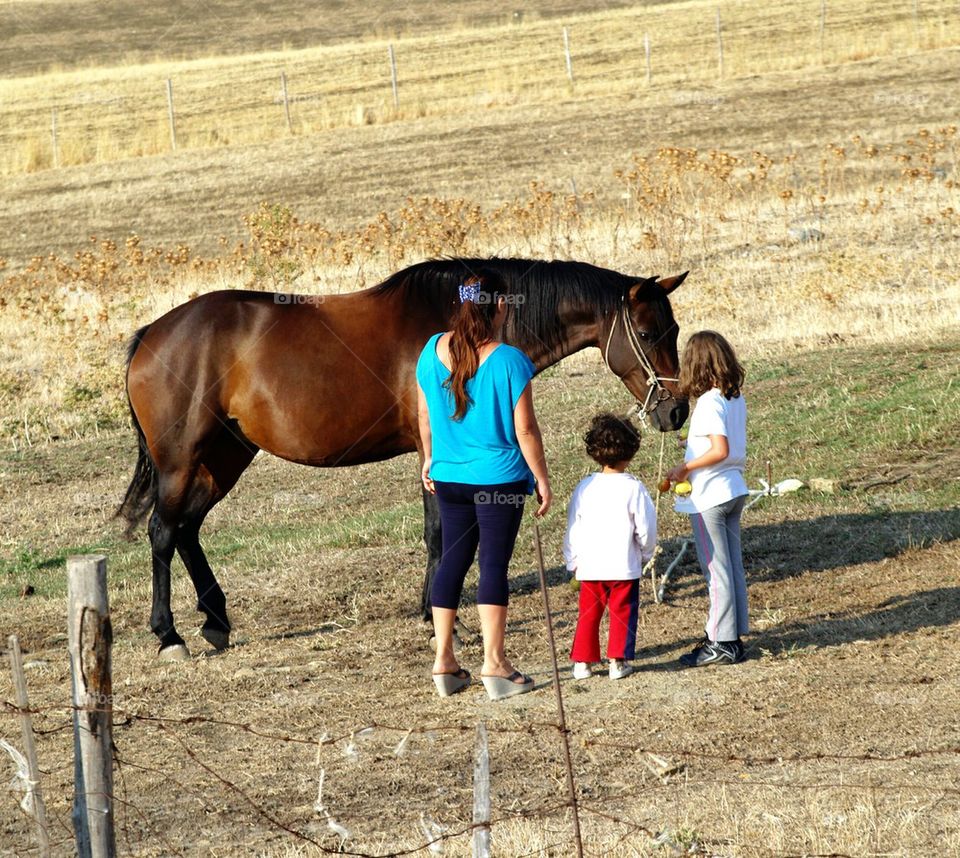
624	600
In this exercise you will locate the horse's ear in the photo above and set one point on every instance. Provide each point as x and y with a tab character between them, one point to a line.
643	284
668	284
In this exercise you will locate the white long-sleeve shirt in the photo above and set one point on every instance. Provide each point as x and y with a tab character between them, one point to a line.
611	528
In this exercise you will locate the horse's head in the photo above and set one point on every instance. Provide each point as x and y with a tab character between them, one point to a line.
640	346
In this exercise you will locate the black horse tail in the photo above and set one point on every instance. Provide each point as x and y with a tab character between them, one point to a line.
142	492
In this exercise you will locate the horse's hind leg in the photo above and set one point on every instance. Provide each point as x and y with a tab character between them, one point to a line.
223	462
164	522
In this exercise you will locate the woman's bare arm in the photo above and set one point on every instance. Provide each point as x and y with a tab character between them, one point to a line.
531	445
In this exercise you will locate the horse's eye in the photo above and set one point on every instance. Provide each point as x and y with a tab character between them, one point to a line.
645	335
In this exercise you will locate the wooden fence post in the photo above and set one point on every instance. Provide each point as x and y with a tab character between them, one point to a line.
481	795
393	76
286	100
823	26
90	637
719	46
566	53
171	114
53	138
29	747
646	51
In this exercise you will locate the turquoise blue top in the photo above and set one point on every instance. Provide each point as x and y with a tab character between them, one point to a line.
482	448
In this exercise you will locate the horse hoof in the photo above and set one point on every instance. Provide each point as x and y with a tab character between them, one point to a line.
457	643
219	640
177	652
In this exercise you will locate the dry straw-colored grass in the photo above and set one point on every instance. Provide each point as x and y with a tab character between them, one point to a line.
857	242
121	112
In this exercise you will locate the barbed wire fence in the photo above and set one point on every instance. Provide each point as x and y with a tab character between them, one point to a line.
343	823
332	825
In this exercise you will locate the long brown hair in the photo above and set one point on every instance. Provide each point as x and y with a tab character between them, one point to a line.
472	327
709	361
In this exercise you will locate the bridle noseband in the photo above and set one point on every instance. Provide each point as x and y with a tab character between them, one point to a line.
654	381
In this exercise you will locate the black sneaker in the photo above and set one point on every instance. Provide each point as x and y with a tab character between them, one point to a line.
713	652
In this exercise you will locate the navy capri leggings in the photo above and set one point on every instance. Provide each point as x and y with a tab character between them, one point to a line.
472	516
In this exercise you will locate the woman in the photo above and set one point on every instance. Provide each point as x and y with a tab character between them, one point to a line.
482	453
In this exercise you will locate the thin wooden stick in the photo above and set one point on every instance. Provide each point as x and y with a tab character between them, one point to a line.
29	746
571	786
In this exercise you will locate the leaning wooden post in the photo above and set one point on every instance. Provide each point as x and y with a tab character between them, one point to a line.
646	51
29	747
90	637
481	795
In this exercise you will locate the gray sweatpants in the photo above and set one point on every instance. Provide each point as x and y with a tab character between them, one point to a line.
716	532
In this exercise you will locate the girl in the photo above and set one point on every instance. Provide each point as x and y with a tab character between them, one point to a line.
611	534
482	454
715	454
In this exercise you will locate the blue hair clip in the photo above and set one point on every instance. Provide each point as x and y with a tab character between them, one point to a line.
469	292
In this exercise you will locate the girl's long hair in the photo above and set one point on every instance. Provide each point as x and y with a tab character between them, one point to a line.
472	326
709	361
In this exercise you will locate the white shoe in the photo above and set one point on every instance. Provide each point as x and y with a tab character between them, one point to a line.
619	668
582	670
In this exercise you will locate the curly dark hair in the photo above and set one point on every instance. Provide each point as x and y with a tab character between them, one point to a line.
611	439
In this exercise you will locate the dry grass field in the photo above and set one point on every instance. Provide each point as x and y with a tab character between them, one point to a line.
816	204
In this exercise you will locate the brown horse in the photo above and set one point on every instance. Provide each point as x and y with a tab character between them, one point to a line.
330	381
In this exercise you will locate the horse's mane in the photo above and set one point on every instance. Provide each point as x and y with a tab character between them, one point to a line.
540	287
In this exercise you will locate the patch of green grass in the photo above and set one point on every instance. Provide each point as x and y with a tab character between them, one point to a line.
45	571
842	413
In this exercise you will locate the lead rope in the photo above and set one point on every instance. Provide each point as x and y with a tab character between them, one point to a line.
651	563
653	383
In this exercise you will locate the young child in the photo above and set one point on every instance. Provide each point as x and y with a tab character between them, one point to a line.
716	451
611	534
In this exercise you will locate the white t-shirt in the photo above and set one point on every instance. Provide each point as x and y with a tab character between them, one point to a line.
611	528
716	484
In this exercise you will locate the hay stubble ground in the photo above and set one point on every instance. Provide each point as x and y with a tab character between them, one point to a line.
837	735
